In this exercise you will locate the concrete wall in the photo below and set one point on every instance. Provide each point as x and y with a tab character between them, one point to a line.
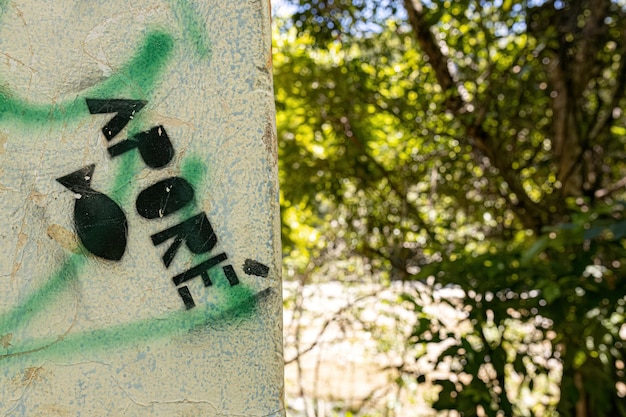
140	264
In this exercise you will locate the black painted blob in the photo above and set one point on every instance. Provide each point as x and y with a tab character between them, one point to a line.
125	111
164	198
100	223
196	232
154	147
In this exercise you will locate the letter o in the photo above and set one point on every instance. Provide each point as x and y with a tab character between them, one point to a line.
164	198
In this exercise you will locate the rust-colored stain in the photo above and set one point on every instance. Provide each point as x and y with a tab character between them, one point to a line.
16	267
66	239
269	139
32	374
22	238
3	140
38	198
29	376
56	411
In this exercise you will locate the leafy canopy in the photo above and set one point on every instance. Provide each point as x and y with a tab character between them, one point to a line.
479	143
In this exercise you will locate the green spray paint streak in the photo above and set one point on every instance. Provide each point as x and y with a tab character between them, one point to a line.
195	31
135	79
240	304
194	171
35	303
128	169
129	166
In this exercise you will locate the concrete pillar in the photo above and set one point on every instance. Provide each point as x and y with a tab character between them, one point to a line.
140	265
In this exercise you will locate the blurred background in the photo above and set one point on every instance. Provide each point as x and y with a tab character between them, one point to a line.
453	197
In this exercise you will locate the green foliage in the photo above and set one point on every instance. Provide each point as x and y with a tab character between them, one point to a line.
478	143
568	286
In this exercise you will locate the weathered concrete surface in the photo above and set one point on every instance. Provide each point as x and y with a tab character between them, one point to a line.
137	166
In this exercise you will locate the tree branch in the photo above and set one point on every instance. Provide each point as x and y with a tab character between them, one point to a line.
387	175
603	123
532	215
437	59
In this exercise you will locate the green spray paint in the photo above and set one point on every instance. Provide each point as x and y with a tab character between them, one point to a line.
237	303
133	81
233	303
66	274
194	171
129	167
194	30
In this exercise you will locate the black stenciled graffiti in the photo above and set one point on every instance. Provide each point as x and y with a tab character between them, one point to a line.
196	232
125	110
251	267
164	198
154	146
100	223
160	200
201	270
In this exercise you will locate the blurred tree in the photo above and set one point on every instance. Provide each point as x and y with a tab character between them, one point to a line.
479	143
